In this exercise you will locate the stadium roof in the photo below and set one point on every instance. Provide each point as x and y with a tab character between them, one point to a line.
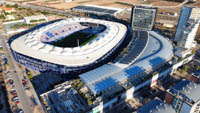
135	48
158	51
190	89
156	106
98	9
35	17
31	45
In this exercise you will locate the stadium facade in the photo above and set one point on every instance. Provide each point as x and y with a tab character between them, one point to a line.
34	49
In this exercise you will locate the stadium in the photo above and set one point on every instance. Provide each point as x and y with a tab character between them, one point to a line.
146	53
70	45
84	45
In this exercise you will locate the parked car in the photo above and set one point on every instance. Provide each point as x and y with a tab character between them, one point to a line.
24	82
20	111
12	89
13	86
8	72
17	102
25	77
9	75
15	98
26	87
10	81
13	92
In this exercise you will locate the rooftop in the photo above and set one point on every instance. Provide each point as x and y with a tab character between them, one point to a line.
158	51
156	106
35	17
98	9
63	99
188	90
135	48
5	8
30	44
189	25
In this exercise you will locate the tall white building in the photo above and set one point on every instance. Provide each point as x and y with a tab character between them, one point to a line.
187	26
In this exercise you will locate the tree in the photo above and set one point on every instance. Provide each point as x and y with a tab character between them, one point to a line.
45	12
192	65
15	6
181	71
186	68
90	100
7	5
2	17
198	67
79	86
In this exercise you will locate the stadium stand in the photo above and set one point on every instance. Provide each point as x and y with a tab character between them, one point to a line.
135	48
35	46
60	32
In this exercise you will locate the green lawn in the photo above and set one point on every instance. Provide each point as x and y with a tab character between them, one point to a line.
72	40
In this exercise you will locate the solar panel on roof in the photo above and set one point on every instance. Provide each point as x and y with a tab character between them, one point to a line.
88	8
135	48
104	84
133	70
156	61
96	9
110	11
181	84
98	74
99	9
79	7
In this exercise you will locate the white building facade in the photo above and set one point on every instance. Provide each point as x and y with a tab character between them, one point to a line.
187	27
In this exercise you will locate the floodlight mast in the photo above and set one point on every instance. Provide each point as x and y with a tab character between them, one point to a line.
78	42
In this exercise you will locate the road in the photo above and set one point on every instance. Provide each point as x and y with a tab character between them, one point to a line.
181	4
25	101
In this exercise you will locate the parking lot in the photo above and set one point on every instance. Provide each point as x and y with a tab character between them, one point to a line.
13	98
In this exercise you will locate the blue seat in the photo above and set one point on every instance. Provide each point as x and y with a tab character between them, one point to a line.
49	34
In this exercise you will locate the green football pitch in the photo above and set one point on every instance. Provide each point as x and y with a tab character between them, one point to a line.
75	40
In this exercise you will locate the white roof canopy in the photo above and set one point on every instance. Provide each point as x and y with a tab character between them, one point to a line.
30	44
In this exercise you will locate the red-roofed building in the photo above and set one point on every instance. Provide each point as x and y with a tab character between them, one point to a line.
7	10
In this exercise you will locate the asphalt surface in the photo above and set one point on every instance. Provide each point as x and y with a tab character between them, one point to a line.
25	102
179	5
